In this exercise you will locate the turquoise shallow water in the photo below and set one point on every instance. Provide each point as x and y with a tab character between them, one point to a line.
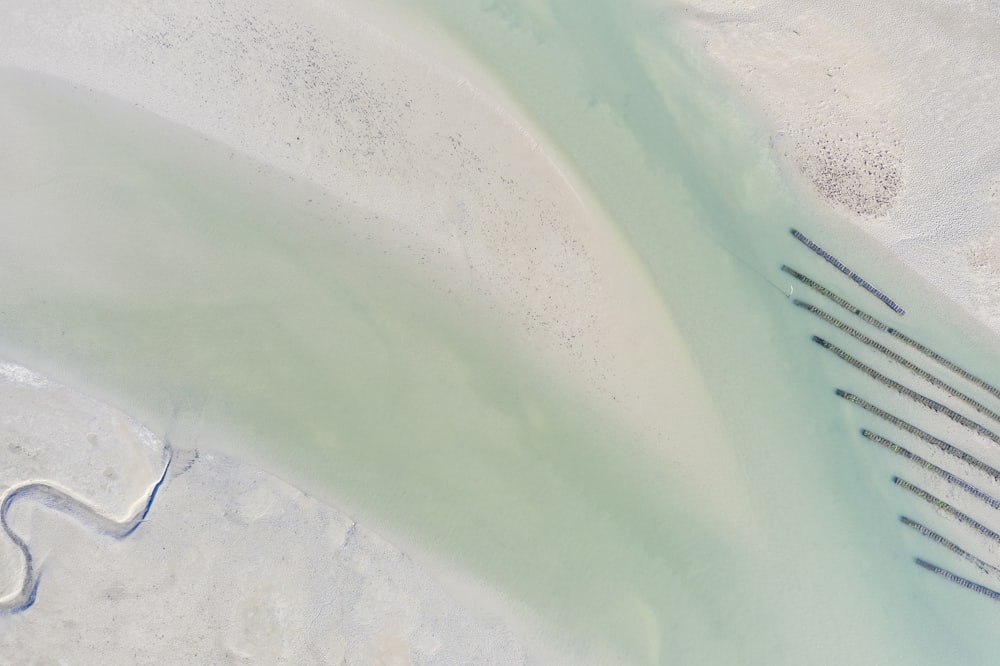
688	180
231	301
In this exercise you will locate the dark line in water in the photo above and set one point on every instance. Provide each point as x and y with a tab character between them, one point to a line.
923	374
934	469
947	508
867	286
925	436
58	499
958	580
930	353
932	405
982	565
817	287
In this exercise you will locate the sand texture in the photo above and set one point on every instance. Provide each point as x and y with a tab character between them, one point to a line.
501	282
885	113
228	564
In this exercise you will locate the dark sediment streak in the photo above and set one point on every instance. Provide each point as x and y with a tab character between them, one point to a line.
982	565
925	401
909	393
934	469
820	289
948	509
958	580
55	498
930	353
926	351
925	436
888	353
867	286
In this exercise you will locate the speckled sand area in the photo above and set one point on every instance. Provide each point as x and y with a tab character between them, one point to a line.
415	146
887	114
231	564
419	140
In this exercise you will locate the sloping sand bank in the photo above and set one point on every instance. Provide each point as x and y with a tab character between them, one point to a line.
436	159
484	363
229	563
608	411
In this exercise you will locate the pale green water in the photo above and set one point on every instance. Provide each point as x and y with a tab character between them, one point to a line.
689	182
232	301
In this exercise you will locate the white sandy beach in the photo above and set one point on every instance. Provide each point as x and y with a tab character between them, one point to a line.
459	184
230	564
458	180
445	174
887	115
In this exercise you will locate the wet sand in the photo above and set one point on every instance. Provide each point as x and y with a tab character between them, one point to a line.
527	322
885	116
